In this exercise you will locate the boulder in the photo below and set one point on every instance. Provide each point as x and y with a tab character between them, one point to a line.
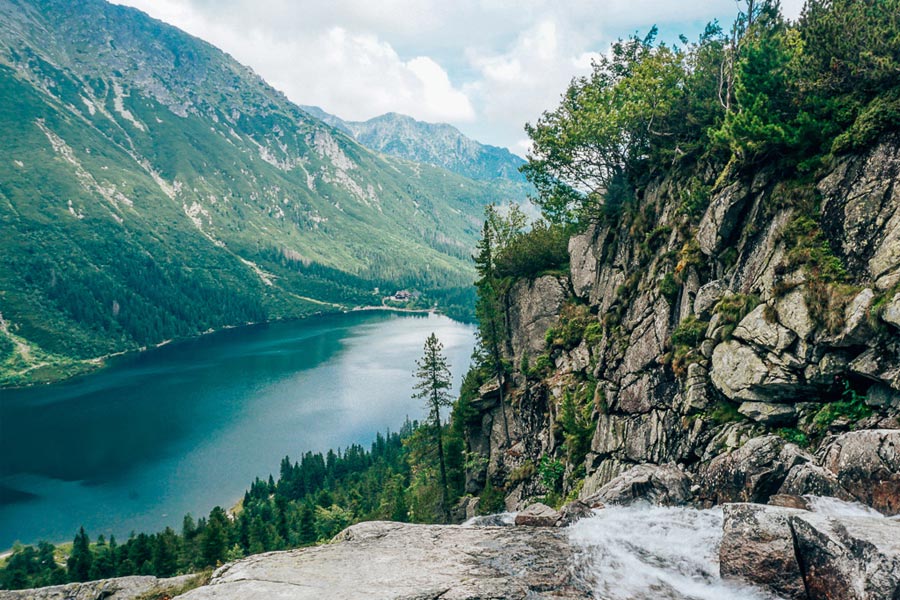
809	479
758	329
708	296
575	511
742	373
848	558
538	515
757	547
658	484
753	472
768	413
794	313
856	319
397	560
867	464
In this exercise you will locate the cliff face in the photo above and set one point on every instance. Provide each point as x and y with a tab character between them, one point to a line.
691	326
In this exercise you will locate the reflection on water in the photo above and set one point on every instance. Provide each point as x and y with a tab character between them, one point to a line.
188	426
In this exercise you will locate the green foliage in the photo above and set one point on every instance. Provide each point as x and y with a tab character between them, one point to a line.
725	412
574	321
523	472
551	473
851	406
543	248
491	500
686	340
669	288
577	424
795	436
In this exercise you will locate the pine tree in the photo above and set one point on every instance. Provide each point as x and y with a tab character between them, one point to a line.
433	374
79	562
487	310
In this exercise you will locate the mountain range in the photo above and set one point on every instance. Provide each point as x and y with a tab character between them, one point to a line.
436	144
152	187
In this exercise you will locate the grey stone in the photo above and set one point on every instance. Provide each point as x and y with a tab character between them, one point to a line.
753	472
891	313
856	319
867	464
756	328
136	587
740	373
533	308
768	413
757	547
848	558
582	262
538	515
721	218
708	296
794	314
810	479
396	560
658	484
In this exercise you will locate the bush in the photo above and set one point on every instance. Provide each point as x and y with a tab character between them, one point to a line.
529	254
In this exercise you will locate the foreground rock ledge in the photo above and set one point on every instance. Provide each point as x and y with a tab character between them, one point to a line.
377	560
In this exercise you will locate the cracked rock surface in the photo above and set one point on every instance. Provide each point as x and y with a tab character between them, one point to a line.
376	560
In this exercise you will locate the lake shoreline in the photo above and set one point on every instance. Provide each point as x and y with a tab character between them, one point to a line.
96	364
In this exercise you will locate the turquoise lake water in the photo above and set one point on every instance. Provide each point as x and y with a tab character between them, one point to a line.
188	426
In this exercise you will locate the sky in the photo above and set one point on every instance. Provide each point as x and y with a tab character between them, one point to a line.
484	66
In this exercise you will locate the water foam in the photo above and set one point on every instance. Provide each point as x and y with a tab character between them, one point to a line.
645	552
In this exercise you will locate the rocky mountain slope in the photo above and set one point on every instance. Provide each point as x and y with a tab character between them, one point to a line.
436	144
686	340
152	188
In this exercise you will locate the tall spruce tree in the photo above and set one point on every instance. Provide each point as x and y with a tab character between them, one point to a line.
433	374
79	562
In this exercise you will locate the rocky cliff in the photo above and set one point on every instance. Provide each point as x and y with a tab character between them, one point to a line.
707	316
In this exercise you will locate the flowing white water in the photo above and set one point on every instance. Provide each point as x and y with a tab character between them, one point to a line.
644	552
832	507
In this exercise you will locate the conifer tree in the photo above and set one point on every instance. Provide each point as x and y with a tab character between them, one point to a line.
433	374
79	562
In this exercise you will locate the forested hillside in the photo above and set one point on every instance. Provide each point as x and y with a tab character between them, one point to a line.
154	188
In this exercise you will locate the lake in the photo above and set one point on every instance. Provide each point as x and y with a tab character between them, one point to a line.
185	427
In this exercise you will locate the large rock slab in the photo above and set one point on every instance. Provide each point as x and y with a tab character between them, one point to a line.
138	587
848	558
657	484
867	464
757	547
379	560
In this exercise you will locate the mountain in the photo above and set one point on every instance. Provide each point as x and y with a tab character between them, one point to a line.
436	144
152	187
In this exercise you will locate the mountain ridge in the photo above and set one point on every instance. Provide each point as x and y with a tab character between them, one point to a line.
438	144
156	189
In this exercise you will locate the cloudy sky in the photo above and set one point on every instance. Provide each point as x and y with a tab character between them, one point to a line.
485	66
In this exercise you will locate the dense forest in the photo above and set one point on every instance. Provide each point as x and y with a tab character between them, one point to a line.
730	101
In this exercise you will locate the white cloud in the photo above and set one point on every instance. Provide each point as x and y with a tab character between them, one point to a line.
487	66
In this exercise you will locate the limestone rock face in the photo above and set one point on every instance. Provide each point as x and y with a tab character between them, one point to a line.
379	560
757	547
137	587
849	558
658	484
867	464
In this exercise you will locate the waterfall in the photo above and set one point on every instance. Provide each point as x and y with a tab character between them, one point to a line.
644	552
